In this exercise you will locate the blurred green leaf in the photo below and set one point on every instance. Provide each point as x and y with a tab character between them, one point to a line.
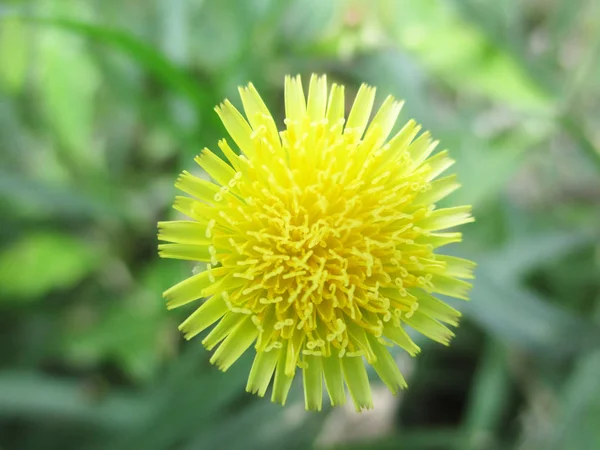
484	166
69	82
488	399
193	399
522	254
127	334
263	425
577	427
23	394
32	198
458	53
44	261
413	439
150	59
305	21
521	318
14	54
137	331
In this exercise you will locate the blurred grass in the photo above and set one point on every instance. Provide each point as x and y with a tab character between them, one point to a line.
102	103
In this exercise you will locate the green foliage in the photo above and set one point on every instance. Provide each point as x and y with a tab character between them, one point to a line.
42	262
103	103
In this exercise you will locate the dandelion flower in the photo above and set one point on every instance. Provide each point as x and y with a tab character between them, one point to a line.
320	243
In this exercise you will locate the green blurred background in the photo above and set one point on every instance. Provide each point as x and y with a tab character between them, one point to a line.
102	103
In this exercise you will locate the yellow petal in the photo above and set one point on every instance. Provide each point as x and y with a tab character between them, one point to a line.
183	232
435	308
359	338
312	375
361	110
399	337
201	189
227	324
438	190
443	218
335	105
457	267
211	310
282	382
438	163
386	367
451	286
192	288
429	327
295	103
257	112
231	156
439	239
420	149
262	372
358	382
219	170
236	126
185	251
238	341
386	118
334	382
317	98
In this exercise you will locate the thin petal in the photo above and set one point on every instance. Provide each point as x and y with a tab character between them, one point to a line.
283	382
183	232
401	141
435	308
457	267
192	288
386	118
336	104
238	341
262	372
218	169
231	156
211	310
257	112
313	383
451	287
295	103
359	338
317	98
429	327
439	239
223	329
443	218
186	205
361	110
197	187
294	346
421	148
439	189
334	382
398	336
438	163
398	145
386	367
185	251
236	126
358	382
200	212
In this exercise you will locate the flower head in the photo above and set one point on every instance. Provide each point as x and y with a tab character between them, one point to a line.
320	243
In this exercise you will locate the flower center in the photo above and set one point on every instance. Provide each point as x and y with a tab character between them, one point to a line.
313	253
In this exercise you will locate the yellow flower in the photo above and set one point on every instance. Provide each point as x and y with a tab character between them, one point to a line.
319	242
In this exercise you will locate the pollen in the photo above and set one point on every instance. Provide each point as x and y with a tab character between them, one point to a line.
321	241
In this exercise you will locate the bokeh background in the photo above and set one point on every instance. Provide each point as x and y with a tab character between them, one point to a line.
102	103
